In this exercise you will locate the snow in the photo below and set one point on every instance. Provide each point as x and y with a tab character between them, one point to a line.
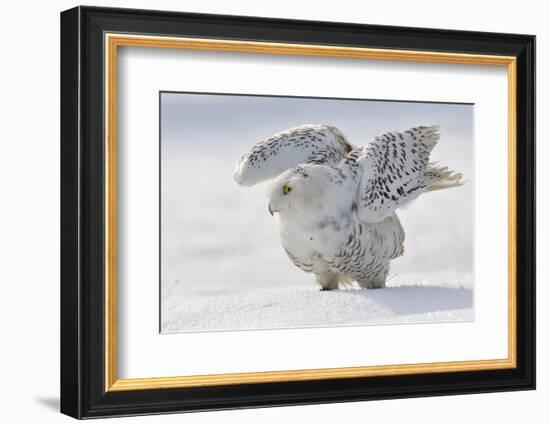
185	311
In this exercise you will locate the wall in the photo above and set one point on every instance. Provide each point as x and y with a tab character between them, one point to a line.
29	225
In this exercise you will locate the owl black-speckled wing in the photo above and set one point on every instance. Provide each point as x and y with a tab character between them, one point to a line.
394	168
317	144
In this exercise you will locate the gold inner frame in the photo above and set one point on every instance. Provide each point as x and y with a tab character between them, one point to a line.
113	41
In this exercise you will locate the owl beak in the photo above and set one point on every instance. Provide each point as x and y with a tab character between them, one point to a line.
275	207
272	209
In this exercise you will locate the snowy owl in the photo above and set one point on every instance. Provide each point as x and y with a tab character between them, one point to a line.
335	203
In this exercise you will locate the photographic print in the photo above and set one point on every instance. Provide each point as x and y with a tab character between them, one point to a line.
291	212
257	184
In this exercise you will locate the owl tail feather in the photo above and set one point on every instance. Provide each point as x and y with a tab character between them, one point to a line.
437	178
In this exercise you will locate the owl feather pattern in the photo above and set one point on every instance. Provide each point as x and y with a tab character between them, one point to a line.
335	203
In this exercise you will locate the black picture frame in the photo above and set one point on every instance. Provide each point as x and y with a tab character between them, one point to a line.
83	392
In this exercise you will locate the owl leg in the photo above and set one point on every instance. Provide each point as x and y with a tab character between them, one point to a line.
328	281
376	282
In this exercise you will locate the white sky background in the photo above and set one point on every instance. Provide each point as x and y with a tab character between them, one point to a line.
217	236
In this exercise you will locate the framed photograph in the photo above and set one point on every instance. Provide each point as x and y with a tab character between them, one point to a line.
261	212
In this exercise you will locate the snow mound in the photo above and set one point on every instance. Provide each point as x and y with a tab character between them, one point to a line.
200	311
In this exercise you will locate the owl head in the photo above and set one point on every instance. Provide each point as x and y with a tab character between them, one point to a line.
297	190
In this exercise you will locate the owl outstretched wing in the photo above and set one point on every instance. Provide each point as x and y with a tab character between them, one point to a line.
311	143
395	168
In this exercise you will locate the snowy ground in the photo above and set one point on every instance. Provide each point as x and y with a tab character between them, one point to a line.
184	311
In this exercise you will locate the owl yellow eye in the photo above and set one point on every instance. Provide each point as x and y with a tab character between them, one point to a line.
286	189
